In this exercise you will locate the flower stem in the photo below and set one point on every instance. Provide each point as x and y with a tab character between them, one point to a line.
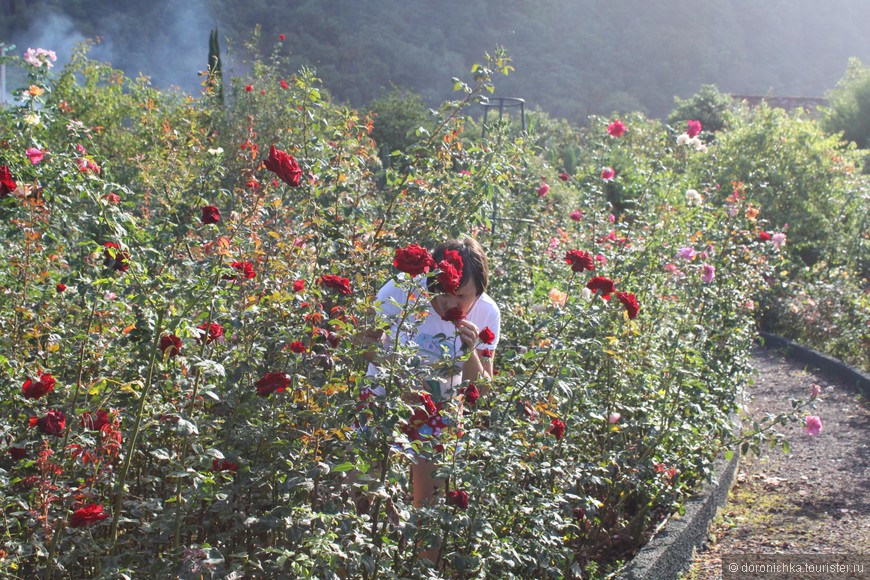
131	444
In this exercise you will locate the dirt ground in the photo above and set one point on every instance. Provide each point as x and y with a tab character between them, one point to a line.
813	500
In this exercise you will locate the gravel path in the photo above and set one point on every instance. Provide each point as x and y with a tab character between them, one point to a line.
813	500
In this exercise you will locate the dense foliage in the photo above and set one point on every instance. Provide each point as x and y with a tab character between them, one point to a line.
849	110
573	58
184	281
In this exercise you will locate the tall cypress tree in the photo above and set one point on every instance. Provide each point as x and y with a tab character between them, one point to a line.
215	80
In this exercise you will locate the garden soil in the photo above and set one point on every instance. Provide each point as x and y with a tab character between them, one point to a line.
814	499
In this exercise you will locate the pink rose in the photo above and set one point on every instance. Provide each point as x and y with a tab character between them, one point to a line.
35	155
814	425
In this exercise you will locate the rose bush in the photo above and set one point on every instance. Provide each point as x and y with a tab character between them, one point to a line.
235	418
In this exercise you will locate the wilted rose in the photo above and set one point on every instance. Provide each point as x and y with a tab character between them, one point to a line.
458	498
95	421
51	424
35	389
170	345
210	214
114	257
579	260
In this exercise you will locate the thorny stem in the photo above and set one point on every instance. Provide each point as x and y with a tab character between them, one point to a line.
131	446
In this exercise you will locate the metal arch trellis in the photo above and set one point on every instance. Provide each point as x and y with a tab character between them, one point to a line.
502	103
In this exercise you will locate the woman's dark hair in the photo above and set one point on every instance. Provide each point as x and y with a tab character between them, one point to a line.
474	263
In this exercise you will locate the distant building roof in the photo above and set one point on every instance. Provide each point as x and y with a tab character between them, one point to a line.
809	104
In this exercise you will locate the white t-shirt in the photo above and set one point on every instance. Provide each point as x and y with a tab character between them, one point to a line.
434	338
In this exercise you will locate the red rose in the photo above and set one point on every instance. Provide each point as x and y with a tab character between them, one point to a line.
299	285
283	84
472	394
210	331
114	257
249	88
297	346
449	278
630	303
223	465
52	424
61	288
284	166
96	421
557	429
486	353
34	390
413	260
564	176
338	283
112	197
272	383
579	260
693	128
246	269
282	37
17	453
764	237
616	128
171	343
455	314
454	258
486	335
7	183
458	498
210	214
429	404
90	514
601	285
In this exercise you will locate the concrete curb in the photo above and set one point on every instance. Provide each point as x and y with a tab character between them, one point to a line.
827	365
670	552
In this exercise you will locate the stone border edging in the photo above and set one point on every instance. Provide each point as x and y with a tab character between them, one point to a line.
670	552
826	364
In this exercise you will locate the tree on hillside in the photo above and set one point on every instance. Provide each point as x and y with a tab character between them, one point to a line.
398	115
849	110
708	105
